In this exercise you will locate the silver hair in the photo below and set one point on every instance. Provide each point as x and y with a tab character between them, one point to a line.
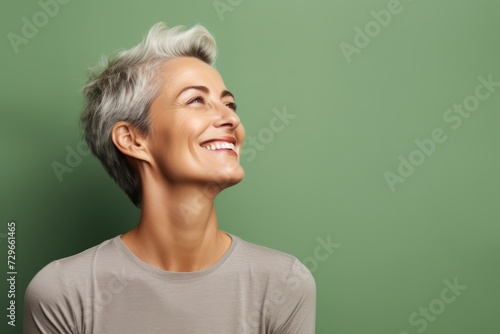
124	87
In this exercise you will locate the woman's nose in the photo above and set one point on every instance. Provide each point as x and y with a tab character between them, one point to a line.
227	117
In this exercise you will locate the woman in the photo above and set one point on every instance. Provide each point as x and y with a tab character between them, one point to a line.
164	126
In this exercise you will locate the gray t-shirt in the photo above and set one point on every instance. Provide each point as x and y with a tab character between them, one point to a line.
107	289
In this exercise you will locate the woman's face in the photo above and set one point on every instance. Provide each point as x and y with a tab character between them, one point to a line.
196	135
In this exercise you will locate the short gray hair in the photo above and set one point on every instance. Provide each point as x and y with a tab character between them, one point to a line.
124	87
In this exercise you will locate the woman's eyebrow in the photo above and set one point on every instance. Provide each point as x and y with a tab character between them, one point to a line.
226	93
206	91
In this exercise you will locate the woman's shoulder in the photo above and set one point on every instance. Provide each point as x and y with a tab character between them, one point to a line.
265	260
251	249
72	268
78	262
57	290
290	282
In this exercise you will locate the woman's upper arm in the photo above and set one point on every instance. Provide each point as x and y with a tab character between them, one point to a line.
47	304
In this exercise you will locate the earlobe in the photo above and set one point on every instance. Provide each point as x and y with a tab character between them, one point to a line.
130	141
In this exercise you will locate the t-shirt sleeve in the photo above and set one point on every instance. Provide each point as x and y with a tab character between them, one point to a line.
297	312
47	305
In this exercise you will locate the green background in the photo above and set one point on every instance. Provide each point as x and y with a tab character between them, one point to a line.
321	177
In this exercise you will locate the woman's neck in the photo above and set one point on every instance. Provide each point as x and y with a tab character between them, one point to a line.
178	229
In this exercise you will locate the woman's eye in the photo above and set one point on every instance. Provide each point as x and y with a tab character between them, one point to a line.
231	105
201	99
198	99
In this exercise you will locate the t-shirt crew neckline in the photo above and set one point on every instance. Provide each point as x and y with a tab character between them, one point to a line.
171	275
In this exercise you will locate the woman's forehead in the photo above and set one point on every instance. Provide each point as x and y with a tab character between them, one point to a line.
182	72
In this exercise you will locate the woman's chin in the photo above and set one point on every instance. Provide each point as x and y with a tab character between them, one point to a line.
228	178
225	178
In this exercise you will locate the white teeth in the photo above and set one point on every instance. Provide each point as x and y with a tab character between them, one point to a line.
219	146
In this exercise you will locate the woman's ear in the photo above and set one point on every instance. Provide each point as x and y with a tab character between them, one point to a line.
130	141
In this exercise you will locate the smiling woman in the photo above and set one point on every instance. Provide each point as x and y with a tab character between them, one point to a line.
164	126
